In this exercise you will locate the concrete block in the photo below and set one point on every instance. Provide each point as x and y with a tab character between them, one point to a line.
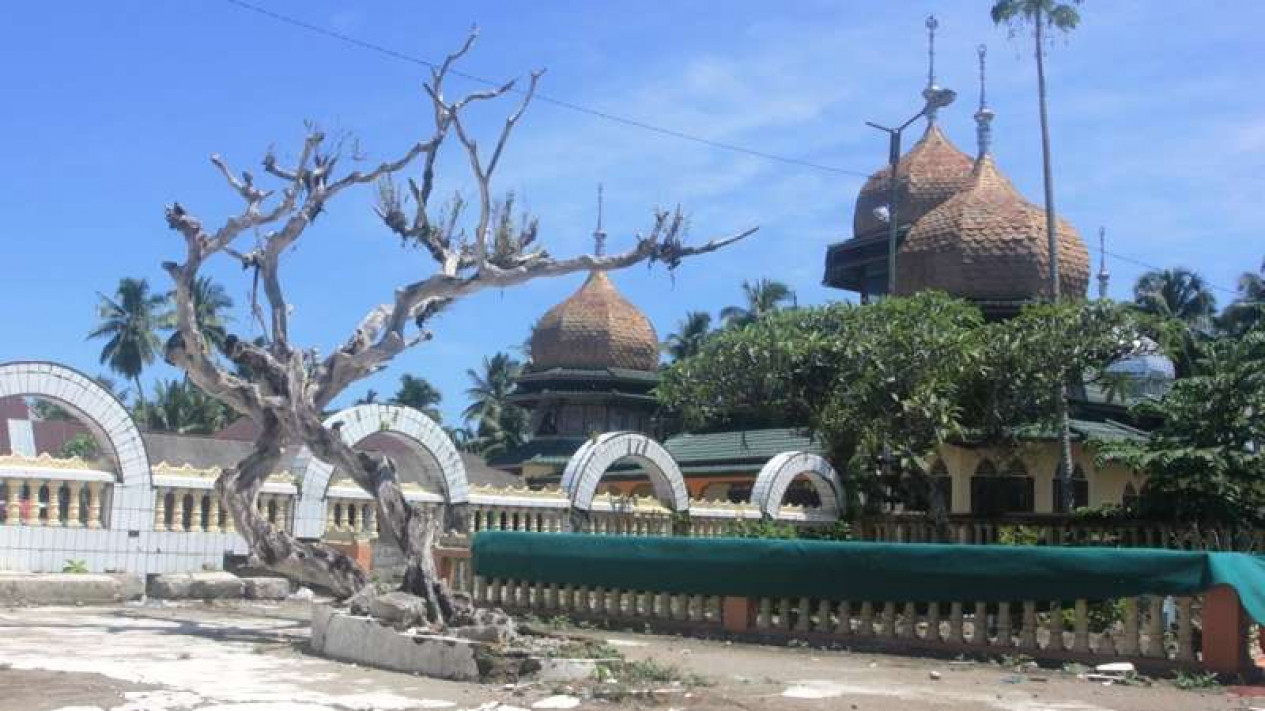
362	640
196	586
131	586
59	589
266	588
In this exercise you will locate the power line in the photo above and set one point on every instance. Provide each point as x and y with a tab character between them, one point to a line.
1153	267
589	111
545	98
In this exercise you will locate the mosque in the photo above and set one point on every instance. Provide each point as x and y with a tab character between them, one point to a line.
963	228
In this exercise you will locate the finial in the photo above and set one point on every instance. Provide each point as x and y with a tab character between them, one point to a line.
984	116
1104	276
932	25
599	236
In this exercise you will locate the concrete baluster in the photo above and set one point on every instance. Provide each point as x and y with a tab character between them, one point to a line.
1005	634
12	507
94	504
866	628
72	504
1155	628
955	623
843	618
1080	628
1028	635
1127	644
32	503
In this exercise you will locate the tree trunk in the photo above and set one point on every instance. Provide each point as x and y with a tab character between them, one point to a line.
412	527
1051	233
1046	169
274	548
140	391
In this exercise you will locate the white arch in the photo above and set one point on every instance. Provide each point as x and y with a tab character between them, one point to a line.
586	467
132	500
778	473
359	422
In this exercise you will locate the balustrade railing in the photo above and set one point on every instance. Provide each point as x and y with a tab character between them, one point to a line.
1055	530
54	501
194	507
1154	631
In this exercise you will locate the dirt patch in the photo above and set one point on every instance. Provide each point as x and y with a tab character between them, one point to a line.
36	690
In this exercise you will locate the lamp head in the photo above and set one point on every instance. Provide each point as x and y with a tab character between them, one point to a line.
937	98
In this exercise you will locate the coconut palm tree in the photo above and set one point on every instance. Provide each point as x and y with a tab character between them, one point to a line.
1045	15
130	322
419	394
498	424
1248	309
1179	294
763	298
1042	15
691	334
1182	305
210	301
180	406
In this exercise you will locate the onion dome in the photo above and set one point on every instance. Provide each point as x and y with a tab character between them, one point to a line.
933	171
989	244
595	328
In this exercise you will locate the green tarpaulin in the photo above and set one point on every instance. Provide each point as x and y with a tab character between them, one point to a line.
897	572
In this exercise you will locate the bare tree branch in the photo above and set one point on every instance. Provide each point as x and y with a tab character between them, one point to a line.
285	390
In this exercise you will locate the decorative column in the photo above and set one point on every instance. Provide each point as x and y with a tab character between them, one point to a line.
94	504
160	509
72	507
213	513
12	506
195	513
32	503
329	516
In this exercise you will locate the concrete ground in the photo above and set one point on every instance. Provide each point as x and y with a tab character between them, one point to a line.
252	658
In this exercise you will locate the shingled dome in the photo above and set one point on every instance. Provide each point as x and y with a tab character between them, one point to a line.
933	171
989	244
595	328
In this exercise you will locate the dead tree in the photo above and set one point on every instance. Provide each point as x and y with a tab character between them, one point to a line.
283	389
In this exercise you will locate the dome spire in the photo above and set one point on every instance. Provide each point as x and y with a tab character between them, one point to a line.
1104	276
599	236
932	25
984	116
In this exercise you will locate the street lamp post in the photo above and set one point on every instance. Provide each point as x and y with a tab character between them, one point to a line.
937	98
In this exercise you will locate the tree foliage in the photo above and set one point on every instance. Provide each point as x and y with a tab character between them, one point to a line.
417	392
1205	461
900	375
496	423
180	406
82	446
129	322
691	333
762	298
1247	311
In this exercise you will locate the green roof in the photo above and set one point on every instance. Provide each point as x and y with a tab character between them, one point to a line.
547	450
646	376
721	447
695	453
1085	430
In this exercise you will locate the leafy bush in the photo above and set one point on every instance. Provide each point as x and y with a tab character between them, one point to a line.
75	566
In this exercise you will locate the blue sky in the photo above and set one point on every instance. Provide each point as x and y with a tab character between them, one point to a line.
113	108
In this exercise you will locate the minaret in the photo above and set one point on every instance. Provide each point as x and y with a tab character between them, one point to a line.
1104	276
984	116
932	25
599	236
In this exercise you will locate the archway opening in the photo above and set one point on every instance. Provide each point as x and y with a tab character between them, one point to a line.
75	457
